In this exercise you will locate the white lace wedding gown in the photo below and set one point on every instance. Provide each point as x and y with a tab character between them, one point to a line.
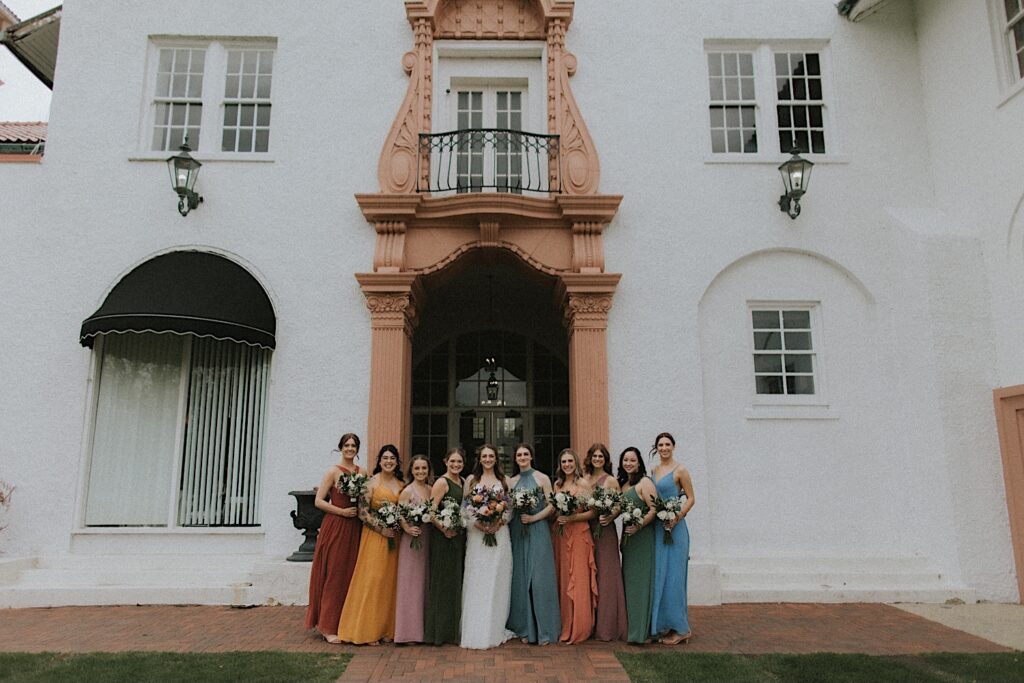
486	590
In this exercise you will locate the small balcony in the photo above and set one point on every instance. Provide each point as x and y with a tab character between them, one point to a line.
488	159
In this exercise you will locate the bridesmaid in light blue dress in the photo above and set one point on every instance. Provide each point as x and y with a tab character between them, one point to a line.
669	620
534	615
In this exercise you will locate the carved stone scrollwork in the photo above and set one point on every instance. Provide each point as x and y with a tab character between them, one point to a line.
392	310
578	169
587	310
389	255
499	19
399	163
587	247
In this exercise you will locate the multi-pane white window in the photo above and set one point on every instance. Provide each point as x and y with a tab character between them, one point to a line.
733	109
178	432
213	87
493	158
783	350
178	100
1014	29
762	93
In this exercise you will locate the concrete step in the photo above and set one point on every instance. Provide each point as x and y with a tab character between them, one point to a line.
19	596
863	593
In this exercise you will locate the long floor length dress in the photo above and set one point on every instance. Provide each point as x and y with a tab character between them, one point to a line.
533	613
444	599
413	570
334	561
577	580
369	612
486	589
611	598
669	611
638	574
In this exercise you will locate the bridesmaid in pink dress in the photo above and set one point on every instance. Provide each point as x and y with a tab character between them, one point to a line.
413	563
611	596
337	545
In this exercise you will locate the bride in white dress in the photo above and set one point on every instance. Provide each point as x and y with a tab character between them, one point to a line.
487	580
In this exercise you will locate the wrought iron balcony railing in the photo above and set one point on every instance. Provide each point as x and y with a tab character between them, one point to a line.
501	160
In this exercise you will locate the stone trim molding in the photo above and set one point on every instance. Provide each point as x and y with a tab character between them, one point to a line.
1009	406
401	163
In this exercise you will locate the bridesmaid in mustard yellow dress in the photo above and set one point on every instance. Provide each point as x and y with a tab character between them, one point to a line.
369	612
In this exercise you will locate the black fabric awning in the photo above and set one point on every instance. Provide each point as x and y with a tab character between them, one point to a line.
187	292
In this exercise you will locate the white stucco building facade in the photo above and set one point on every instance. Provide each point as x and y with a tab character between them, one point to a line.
882	479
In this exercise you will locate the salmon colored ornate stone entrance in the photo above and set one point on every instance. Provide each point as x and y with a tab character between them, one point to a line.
558	231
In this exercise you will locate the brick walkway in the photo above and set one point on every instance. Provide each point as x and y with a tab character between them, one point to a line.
748	629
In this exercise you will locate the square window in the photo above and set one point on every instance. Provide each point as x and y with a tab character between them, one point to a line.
783	350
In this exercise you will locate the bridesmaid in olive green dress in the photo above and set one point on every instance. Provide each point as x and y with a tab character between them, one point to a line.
638	546
447	553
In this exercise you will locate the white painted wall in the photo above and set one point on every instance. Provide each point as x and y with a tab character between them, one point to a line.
906	265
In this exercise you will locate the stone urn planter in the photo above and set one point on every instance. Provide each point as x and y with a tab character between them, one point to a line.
307	518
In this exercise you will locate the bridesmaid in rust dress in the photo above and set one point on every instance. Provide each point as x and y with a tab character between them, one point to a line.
337	545
413	562
574	555
611	597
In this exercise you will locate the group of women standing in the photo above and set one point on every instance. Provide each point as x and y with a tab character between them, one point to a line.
546	577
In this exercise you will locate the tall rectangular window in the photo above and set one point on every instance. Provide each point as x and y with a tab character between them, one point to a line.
800	102
247	101
178	99
783	351
1015	33
733	108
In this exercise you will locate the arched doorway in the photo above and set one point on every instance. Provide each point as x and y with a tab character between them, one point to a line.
490	361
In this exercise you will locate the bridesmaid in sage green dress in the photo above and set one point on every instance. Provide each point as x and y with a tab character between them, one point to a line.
637	546
443	617
533	614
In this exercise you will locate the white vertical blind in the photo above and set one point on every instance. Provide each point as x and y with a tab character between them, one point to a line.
223	434
136	424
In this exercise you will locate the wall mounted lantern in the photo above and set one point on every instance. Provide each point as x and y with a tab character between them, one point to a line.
184	170
796	173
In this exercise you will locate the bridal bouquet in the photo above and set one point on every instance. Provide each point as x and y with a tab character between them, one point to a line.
667	510
632	515
603	501
386	516
565	504
417	514
353	484
487	504
524	500
449	515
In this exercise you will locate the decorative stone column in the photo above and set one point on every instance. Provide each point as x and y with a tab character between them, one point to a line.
586	301
392	299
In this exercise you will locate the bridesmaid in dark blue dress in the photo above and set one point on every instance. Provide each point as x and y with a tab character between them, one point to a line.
533	613
669	620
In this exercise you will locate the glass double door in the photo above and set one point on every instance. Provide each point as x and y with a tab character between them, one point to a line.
502	428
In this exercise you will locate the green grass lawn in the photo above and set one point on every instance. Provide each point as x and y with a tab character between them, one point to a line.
132	667
677	667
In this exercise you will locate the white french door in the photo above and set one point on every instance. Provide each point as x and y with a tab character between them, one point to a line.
493	158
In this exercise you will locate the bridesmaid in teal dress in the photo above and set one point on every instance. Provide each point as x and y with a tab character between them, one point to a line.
533	613
669	619
443	618
637	545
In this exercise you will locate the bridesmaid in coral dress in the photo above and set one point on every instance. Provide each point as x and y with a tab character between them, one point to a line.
611	600
369	612
337	545
574	555
413	563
